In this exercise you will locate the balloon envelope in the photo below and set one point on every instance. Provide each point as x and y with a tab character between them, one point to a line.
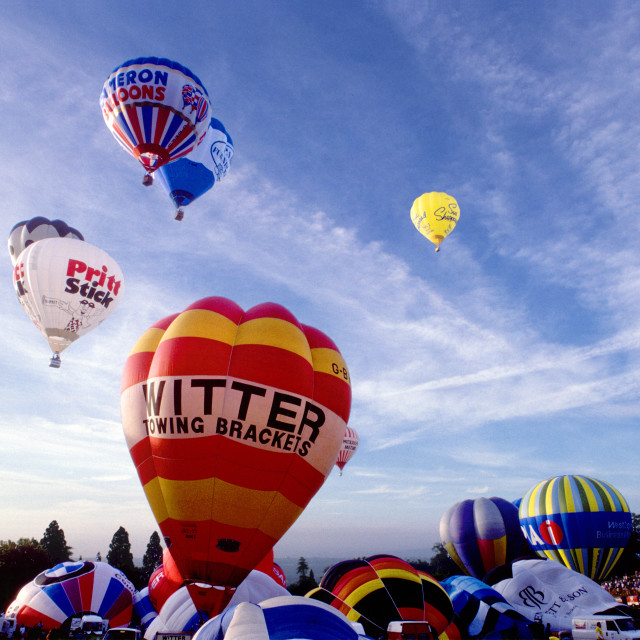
233	420
143	607
482	534
285	618
348	448
485	613
70	588
157	109
435	215
537	587
381	589
186	179
578	521
67	287
29	231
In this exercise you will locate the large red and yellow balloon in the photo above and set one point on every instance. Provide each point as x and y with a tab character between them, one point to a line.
233	419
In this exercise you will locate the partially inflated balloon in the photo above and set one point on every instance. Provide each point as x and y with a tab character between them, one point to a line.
233	419
381	589
581	522
143	607
70	588
549	591
435	215
156	109
348	448
187	179
482	534
67	287
282	618
484	613
27	232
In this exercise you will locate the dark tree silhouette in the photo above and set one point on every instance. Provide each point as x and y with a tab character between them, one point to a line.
152	557
55	544
119	555
20	562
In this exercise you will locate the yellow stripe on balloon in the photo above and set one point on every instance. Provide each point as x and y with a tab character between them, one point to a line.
153	491
402	574
623	502
148	341
569	501
364	590
548	496
500	551
274	332
590	493
532	506
213	500
201	323
330	361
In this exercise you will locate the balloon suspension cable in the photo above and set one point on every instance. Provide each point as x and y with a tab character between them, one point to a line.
179	215
55	361
147	181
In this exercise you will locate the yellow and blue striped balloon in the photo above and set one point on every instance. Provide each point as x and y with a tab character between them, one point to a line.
578	521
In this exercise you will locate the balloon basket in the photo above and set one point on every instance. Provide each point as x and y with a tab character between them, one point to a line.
55	361
179	215
147	181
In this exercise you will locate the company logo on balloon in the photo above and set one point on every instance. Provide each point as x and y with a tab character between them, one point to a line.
532	597
551	532
94	278
194	98
293	423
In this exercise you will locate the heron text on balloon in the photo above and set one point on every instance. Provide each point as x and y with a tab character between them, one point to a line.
94	278
136	85
262	415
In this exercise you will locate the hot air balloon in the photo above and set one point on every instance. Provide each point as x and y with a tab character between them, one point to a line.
188	178
179	613
348	448
578	521
485	613
284	617
382	589
27	232
156	109
67	287
482	534
551	592
143	607
56	595
233	420
164	581
435	215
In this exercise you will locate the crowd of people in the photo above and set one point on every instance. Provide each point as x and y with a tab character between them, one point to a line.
628	585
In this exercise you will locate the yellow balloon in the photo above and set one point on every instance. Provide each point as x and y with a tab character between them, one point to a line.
435	215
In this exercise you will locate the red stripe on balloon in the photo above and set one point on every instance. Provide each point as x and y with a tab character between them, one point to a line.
162	115
226	459
187	356
273	367
225	307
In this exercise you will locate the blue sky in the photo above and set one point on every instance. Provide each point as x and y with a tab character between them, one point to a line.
509	357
